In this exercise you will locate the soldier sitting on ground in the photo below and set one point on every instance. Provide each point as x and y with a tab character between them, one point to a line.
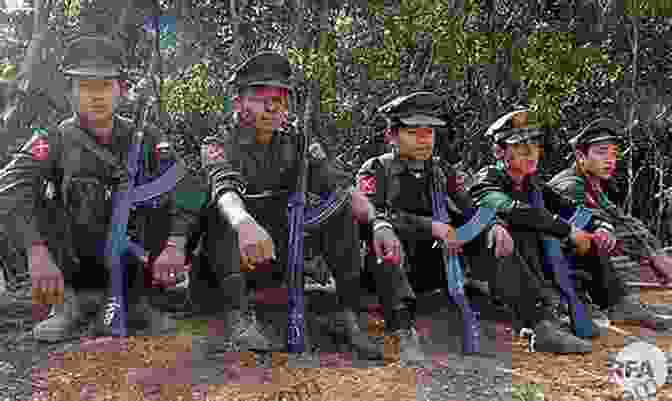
400	186
65	236
251	170
519	280
585	182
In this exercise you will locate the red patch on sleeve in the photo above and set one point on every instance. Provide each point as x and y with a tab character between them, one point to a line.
215	152
161	149
40	149
367	184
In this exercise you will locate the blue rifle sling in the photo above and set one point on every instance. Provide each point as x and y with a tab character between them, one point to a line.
556	262
117	243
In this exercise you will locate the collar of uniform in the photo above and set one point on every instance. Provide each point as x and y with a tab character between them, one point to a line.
400	166
531	182
116	125
248	137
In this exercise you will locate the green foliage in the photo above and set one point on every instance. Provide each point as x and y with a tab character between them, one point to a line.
72	8
192	94
7	72
320	64
648	8
551	64
528	392
192	327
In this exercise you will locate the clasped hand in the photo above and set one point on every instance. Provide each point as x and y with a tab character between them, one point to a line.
256	246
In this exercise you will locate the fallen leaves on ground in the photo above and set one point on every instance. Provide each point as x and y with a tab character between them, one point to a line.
563	377
584	377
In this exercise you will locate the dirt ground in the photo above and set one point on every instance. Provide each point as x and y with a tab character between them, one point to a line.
103	370
579	378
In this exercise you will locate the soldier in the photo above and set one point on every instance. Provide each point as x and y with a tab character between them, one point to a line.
586	183
400	186
251	171
81	163
519	280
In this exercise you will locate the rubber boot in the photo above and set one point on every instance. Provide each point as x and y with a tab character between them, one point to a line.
549	336
630	310
66	318
242	333
403	341
359	340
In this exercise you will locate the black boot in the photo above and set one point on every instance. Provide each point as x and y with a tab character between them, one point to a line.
630	310
242	333
358	339
549	335
404	339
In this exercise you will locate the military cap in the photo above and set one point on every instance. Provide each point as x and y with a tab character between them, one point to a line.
416	109
93	56
600	130
266	68
513	128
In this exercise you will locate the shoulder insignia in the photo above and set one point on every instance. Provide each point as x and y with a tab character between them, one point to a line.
367	184
39	148
214	152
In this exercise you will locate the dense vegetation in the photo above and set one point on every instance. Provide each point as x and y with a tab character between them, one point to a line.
570	61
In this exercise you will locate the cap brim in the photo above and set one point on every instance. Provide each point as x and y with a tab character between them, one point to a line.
517	138
422	121
98	72
278	84
604	138
600	139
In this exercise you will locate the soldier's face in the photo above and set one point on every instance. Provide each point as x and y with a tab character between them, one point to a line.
97	98
416	143
600	159
264	108
524	158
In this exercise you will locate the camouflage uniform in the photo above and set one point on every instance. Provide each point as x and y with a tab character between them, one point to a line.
58	191
519	279
263	176
401	191
605	287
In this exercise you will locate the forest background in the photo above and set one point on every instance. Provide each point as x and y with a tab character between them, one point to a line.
570	61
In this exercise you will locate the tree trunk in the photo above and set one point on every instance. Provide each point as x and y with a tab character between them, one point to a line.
631	111
236	7
40	29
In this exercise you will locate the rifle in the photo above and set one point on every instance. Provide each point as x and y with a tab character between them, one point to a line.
454	272
117	243
140	192
296	214
558	265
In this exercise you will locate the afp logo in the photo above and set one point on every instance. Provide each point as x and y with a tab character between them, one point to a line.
641	368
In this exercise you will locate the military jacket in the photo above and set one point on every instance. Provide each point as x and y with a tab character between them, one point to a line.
233	161
566	182
494	188
402	195
81	184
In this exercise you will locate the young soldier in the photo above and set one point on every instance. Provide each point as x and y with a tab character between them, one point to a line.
400	185
252	171
65	236
507	186
585	182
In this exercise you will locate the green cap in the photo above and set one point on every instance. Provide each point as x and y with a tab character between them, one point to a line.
93	56
263	69
417	109
600	130
513	128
